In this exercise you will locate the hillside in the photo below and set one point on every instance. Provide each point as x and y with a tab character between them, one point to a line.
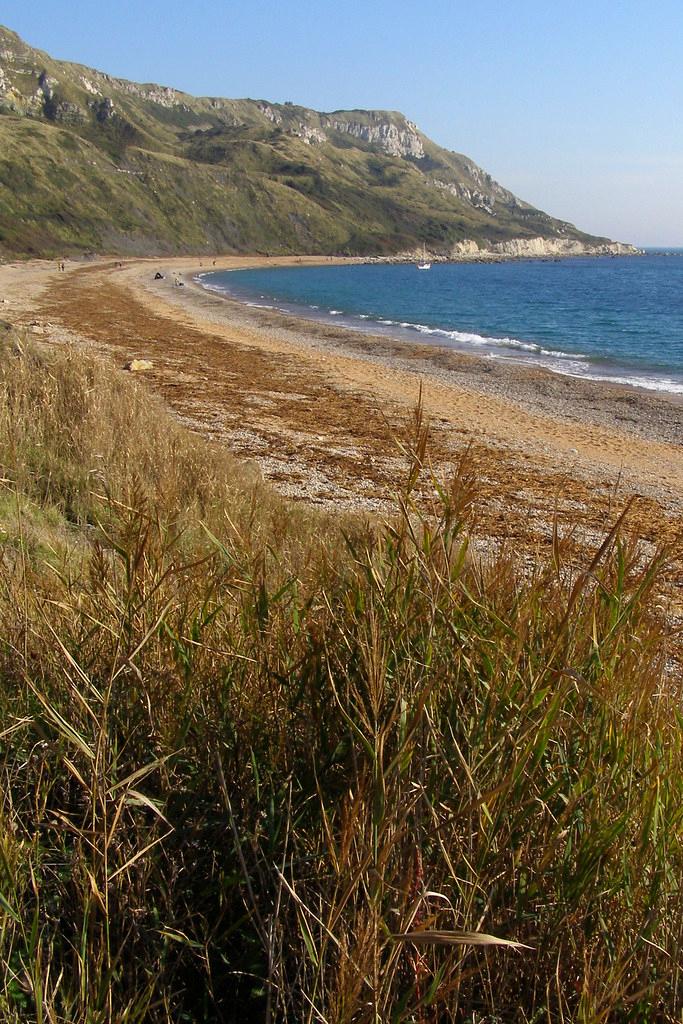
91	162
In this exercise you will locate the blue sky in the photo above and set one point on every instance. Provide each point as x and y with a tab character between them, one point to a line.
575	106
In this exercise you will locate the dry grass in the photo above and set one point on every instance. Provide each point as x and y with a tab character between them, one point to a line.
256	767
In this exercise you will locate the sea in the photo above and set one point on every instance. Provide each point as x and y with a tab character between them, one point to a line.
617	319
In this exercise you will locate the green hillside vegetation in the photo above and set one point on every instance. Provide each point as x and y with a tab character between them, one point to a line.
89	162
258	766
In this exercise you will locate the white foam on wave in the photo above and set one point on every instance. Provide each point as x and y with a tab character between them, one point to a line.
470	338
569	364
209	287
557	353
666	384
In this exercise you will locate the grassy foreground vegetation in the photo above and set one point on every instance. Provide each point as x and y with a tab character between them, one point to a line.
257	767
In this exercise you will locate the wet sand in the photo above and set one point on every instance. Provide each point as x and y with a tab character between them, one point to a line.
318	407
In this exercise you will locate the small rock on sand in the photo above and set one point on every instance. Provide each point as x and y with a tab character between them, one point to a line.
40	327
136	365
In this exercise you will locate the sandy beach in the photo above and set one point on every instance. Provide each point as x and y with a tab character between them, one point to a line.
317	407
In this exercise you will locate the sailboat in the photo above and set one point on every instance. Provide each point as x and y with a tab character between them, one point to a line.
424	264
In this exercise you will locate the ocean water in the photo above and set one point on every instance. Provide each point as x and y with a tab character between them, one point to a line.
613	319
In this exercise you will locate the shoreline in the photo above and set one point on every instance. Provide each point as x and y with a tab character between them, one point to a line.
510	351
653	415
600	401
289	259
314	406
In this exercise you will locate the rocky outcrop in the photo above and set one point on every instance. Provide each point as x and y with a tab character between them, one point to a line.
477	199
468	247
311	136
488	185
47	85
55	107
387	136
15	98
89	86
273	116
469	250
159	94
104	110
68	113
623	249
538	248
560	247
